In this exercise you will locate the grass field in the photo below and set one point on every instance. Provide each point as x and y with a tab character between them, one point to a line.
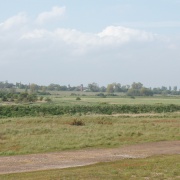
50	134
27	135
156	168
93	100
90	98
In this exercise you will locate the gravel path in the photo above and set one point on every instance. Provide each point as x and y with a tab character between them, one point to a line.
64	159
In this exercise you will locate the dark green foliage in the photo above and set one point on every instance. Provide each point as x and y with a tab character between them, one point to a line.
25	97
111	94
48	100
19	97
101	95
43	93
41	98
20	111
78	98
4	98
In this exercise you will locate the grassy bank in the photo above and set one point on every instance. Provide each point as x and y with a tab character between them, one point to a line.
162	167
50	134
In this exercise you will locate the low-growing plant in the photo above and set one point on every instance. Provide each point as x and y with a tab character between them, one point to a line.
41	98
50	109
78	98
105	123
76	122
48	100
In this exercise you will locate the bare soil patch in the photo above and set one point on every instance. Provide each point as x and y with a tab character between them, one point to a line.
65	159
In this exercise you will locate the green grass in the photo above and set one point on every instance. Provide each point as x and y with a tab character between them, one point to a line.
93	100
50	134
156	168
90	98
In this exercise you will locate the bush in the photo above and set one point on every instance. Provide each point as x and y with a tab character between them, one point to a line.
4	98
77	123
35	110
41	98
78	98
101	95
48	99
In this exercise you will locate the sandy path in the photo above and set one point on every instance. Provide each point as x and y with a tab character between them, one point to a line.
34	162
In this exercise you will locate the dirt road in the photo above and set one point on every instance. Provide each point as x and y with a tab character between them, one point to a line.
35	162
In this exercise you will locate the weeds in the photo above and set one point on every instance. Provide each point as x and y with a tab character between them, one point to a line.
76	122
55	133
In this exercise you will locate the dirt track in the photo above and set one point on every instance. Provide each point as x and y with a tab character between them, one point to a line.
35	162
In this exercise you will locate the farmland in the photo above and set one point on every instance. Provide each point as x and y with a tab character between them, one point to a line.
92	122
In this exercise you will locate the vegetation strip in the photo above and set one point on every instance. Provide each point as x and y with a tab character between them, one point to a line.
20	111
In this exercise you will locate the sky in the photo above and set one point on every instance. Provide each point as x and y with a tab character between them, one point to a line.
80	42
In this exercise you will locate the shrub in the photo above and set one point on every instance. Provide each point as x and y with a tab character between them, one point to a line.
48	99
41	98
78	98
4	98
77	123
101	95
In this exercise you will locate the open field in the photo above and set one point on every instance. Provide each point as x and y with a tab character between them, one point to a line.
90	98
93	100
87	127
55	133
157	167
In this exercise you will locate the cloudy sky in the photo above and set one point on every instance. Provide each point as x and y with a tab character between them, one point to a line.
82	41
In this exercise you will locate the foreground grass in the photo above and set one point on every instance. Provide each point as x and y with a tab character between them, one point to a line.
162	167
50	134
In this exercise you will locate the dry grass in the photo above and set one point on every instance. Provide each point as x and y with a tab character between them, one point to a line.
50	134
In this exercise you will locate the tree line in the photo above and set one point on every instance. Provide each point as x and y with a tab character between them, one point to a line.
135	89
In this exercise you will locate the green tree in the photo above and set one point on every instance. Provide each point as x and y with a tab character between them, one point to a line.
146	92
93	87
110	88
136	85
33	88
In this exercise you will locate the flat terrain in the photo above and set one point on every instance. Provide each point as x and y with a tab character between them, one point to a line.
66	159
64	98
71	100
127	146
51	134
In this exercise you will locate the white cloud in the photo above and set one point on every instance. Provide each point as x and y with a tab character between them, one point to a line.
55	13
79	43
157	24
62	52
36	34
123	34
109	36
19	19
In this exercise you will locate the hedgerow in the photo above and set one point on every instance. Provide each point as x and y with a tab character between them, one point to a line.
29	110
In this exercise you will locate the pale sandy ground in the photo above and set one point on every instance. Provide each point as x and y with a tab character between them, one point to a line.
65	159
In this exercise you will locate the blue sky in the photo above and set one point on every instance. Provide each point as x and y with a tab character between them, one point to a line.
75	42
